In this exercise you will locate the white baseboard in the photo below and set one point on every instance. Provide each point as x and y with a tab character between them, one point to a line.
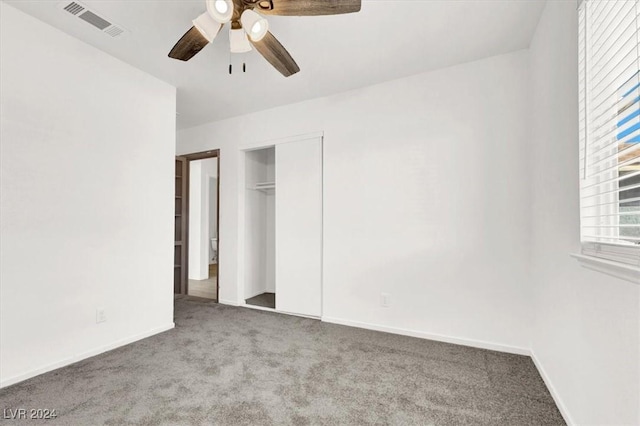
554	393
431	336
264	308
84	355
228	302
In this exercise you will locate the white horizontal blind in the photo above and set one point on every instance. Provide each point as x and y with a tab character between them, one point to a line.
609	91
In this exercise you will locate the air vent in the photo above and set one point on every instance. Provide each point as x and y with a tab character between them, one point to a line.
95	20
114	31
81	11
73	8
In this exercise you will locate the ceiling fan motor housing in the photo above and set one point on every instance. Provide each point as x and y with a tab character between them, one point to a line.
259	4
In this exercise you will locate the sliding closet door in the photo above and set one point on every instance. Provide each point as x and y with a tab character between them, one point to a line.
299	227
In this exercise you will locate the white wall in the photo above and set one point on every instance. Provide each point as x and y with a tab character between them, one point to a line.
408	165
210	177
197	201
213	203
586	336
202	216
86	211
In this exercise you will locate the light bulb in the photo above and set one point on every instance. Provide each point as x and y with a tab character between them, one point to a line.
221	6
220	10
254	25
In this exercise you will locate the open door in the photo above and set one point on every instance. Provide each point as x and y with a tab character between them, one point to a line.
180	227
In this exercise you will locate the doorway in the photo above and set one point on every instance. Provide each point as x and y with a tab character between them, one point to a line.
197	227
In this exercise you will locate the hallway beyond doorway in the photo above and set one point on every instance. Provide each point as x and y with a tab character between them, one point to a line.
205	288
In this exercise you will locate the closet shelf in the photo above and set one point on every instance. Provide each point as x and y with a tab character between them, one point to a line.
264	186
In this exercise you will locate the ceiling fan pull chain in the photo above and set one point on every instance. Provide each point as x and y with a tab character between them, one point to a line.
230	69
244	67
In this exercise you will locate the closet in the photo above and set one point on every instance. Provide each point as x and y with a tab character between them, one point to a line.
283	227
260	227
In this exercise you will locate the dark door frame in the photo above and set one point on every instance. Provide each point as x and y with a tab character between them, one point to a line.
214	153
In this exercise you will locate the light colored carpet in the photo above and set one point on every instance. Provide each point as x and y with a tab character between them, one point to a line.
229	366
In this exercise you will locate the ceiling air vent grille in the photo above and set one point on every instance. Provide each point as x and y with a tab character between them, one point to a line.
81	11
73	8
95	20
114	31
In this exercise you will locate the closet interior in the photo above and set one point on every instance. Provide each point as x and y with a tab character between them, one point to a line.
260	222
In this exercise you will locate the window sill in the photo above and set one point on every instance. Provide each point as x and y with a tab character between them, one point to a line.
615	269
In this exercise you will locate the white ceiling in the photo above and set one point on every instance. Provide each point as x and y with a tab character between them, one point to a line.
388	39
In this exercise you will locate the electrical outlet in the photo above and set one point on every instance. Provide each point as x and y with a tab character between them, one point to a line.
384	300
101	315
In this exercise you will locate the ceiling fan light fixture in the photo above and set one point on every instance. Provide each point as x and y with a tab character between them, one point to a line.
238	41
257	28
254	25
207	26
220	10
221	6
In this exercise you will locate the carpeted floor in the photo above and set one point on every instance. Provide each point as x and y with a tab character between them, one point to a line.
227	365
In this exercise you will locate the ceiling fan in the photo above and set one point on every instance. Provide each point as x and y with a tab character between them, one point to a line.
250	28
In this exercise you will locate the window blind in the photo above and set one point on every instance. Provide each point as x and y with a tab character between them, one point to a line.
609	128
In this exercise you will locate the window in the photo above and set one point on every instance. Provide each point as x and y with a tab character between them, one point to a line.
609	99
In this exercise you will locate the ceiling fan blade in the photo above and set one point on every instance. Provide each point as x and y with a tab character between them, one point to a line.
189	45
276	54
307	7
